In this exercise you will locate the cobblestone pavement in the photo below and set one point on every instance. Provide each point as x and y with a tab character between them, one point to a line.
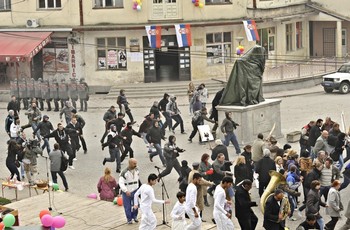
297	108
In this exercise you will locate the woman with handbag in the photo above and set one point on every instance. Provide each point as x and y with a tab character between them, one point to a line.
106	186
56	166
11	160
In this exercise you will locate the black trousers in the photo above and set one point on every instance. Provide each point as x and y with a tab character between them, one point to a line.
170	164
83	143
127	149
63	177
13	169
178	119
331	224
248	222
83	102
71	154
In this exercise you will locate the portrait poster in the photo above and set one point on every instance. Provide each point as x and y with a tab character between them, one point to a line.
62	60
112	59
49	56
102	63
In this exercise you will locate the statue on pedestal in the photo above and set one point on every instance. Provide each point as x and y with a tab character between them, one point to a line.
244	86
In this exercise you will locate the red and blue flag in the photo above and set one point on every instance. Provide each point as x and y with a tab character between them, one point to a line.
183	35
154	34
251	30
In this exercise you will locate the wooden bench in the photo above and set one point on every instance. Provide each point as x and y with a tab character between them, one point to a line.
14	186
36	188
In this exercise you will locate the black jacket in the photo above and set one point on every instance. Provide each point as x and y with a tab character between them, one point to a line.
113	140
14	105
313	203
128	134
272	210
61	136
9	120
219	149
315	132
155	135
263	167
45	128
155	111
311	176
242	172
243	203
109	115
118	122
146	124
162	104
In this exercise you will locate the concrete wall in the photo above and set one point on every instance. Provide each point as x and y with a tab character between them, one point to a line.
339	6
273	3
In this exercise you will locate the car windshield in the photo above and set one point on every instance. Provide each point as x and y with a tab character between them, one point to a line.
344	69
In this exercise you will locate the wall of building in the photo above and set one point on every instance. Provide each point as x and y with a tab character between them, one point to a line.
273	3
339	6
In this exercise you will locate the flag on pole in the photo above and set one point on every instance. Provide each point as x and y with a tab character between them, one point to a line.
250	30
183	35
154	34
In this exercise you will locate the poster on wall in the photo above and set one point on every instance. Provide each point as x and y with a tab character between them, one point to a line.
49	57
122	59
112	59
102	63
62	60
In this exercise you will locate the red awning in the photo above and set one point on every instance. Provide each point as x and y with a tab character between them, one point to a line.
22	46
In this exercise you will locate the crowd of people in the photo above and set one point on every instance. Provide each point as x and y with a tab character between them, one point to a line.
315	170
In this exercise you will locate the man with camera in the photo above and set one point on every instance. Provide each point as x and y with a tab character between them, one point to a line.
44	127
171	152
30	153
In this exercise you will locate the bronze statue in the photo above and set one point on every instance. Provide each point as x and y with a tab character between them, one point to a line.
244	86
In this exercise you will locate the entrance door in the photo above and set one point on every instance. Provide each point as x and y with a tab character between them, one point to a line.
165	9
167	64
344	43
37	66
329	42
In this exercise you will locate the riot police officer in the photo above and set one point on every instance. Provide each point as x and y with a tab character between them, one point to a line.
30	90
40	98
22	90
83	90
45	94
14	90
53	85
63	92
73	92
37	92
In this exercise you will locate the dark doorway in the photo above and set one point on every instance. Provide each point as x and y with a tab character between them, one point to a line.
37	66
167	64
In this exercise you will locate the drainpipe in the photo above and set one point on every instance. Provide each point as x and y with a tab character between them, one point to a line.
254	4
81	13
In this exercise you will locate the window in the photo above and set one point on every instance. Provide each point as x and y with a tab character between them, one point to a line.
111	53
49	4
218	47
267	39
5	5
289	37
56	56
299	34
108	3
209	2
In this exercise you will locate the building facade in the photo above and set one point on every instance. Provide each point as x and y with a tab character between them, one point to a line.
105	41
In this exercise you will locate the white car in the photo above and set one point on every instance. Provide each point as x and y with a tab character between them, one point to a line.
339	80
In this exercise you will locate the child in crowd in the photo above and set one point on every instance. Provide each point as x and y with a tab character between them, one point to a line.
178	213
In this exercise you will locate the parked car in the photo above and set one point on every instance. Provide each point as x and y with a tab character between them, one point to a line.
339	80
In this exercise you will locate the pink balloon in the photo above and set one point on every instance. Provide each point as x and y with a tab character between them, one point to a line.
58	222
46	220
92	196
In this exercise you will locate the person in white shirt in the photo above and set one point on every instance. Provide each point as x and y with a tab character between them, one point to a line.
148	219
191	199
221	216
15	129
178	213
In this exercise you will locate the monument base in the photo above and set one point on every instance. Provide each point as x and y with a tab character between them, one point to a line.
253	119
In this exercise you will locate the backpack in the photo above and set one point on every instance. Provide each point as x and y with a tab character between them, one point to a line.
64	163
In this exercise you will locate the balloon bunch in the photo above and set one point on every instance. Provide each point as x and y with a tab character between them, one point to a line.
118	200
239	50
137	5
7	221
197	3
53	222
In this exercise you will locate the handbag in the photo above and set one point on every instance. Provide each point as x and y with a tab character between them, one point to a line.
64	163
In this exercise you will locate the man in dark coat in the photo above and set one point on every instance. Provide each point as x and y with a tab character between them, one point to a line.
315	132
14	105
126	135
220	148
162	108
109	115
263	167
214	113
243	205
154	137
273	219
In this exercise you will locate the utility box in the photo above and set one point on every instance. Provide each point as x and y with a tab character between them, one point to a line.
293	136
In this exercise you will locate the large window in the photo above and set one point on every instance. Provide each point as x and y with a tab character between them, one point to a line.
267	38
111	53
218	47
49	4
299	34
5	5
108	3
56	56
289	37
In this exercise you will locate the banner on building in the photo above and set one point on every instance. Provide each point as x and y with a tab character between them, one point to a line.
183	35
250	30
154	34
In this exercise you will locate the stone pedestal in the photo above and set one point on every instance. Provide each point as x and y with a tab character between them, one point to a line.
253	119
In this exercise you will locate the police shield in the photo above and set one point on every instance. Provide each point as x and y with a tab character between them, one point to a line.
83	91
73	92
30	88
53	89
45	91
14	88
37	89
63	90
22	89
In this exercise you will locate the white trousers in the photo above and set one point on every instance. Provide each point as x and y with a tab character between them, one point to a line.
196	223
222	221
148	219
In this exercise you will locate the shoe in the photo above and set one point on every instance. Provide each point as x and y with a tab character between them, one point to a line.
189	140
75	159
212	219
104	161
204	220
117	171
85	151
206	204
183	132
56	110
292	218
71	167
66	189
173	131
129	222
136	221
150	158
48	110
